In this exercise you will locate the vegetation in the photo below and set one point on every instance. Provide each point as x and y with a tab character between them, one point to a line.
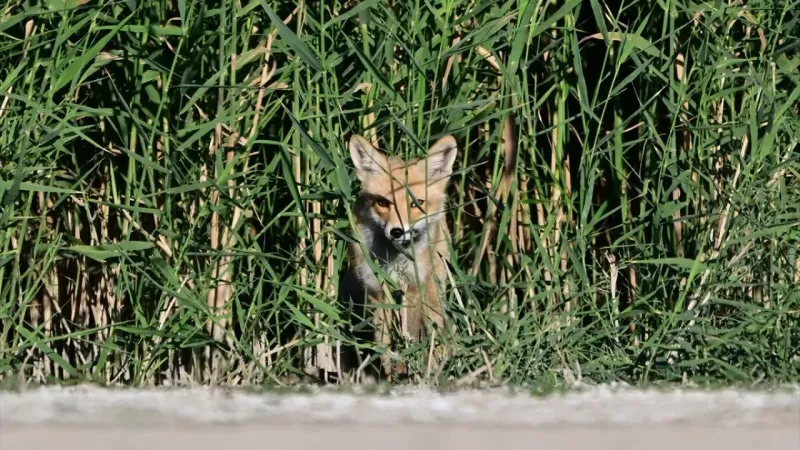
176	191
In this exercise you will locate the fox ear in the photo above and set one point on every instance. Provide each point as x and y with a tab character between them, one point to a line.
368	160
441	157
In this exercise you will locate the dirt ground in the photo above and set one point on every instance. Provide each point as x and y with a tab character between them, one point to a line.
204	419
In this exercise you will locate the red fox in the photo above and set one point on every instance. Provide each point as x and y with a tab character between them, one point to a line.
400	220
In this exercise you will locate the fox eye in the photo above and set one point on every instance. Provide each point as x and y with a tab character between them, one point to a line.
382	202
418	203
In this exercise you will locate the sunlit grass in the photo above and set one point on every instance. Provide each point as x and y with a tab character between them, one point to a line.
176	188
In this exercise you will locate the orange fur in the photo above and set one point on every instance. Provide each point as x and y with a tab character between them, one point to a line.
400	220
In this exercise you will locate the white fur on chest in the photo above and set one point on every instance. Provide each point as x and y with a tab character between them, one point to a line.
403	271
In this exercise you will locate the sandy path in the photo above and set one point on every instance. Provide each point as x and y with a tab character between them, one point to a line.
199	419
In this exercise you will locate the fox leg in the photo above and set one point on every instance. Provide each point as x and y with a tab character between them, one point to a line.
433	321
382	320
412	323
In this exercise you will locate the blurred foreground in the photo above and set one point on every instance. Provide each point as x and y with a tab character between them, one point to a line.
201	418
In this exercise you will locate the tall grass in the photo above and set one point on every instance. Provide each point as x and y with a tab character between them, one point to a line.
176	189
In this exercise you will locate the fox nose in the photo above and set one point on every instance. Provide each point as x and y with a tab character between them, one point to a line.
397	233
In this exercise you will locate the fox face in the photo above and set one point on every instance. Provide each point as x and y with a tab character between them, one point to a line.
400	199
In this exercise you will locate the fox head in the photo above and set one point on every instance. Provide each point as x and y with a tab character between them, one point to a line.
402	199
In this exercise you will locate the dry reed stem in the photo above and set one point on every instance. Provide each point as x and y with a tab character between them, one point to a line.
260	344
30	27
51	284
450	62
330	290
685	145
632	292
266	75
79	294
555	201
614	276
324	351
4	105
368	120
540	216
797	269
510	150
720	234
524	235
510	155
214	294
228	242
301	248
489	224
489	58
321	357
161	242
563	218
428	366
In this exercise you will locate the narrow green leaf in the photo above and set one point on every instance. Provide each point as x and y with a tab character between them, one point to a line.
360	6
521	37
71	71
600	20
558	15
320	305
375	73
47	350
37	187
299	317
684	263
291	38
104	252
323	156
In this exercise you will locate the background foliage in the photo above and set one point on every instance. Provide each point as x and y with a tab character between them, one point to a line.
175	187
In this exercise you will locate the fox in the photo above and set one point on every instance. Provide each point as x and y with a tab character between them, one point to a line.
400	219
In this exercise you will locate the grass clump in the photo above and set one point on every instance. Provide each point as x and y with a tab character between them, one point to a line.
175	189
